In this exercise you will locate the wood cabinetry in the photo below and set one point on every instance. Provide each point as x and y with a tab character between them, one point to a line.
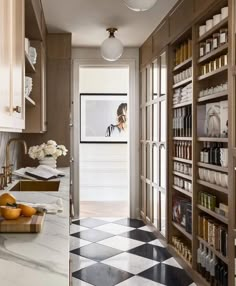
35	31
12	65
197	81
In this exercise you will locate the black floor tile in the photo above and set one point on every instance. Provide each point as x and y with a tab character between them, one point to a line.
90	222
130	222
151	252
92	235
96	252
167	275
102	275
140	235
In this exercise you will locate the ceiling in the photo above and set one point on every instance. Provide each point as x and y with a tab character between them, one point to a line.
87	20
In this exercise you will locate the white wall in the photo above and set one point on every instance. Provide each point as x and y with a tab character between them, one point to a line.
104	167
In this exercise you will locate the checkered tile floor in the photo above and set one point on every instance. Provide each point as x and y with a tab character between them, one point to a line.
124	252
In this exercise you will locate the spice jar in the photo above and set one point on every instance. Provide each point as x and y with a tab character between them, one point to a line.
223	36
209	43
202	49
216	41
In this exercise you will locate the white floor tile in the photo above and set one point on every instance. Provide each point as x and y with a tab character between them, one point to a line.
129	262
139	281
172	262
76	242
146	228
77	282
109	219
79	262
156	242
114	228
121	243
76	228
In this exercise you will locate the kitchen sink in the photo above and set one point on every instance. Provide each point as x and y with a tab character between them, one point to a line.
36	186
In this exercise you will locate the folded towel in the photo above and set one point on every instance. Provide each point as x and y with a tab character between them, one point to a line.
52	208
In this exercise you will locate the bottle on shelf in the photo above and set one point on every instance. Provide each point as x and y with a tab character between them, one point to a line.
202	153
206	153
174	123
190	122
203	261
208	258
213	263
199	253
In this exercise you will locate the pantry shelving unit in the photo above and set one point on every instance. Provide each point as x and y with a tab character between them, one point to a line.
200	82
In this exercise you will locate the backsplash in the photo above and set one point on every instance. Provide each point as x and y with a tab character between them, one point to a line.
14	158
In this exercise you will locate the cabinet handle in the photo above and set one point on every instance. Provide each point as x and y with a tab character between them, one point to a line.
17	109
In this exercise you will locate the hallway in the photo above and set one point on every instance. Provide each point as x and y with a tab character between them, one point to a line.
121	251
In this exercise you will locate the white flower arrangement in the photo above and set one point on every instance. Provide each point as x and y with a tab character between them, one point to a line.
49	149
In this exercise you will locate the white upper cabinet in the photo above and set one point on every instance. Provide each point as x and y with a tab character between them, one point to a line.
12	66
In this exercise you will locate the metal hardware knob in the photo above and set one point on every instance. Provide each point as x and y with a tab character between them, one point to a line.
17	109
71	124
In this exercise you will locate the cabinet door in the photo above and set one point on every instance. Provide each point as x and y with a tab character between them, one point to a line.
12	65
5	63
18	59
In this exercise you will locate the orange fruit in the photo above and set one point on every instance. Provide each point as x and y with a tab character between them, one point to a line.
10	212
7	198
27	210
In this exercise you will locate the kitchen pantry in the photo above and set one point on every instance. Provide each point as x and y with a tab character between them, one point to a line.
201	125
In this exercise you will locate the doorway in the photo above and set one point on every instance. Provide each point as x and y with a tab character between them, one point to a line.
104	139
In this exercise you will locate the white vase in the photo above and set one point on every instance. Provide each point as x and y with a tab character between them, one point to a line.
49	161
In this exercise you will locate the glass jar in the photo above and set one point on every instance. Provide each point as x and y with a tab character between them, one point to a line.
216	41
223	36
209	44
202	49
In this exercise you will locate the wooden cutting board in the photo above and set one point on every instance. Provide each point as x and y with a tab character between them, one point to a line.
23	224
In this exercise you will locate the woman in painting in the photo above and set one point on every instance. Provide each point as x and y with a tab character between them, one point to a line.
119	129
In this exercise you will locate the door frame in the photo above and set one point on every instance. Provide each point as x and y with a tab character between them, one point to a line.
91	58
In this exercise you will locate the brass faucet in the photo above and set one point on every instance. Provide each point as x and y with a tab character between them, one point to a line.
7	170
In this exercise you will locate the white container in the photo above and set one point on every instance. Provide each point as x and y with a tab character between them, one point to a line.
224	157
216	19
212	177
224	12
218	178
202	30
209	24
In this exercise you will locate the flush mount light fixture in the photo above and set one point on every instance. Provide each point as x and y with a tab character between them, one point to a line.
140	5
112	48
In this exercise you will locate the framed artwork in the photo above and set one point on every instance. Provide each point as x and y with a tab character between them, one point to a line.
103	118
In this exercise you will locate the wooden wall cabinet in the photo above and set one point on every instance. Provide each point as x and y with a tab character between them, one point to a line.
12	65
160	38
181	18
35	31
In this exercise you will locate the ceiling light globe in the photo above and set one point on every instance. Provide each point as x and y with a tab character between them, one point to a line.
140	5
112	49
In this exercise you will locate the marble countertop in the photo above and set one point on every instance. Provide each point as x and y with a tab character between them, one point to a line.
39	259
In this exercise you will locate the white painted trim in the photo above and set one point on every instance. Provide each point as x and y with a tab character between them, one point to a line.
83	57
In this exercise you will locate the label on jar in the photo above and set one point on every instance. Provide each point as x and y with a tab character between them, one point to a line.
223	38
215	43
208	48
201	52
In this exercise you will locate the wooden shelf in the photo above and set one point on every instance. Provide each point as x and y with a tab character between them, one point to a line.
216	252
213	167
213	139
205	76
182	230
183	64
213	53
213	186
182	104
182	138
209	33
183	82
29	67
182	160
187	193
182	175
213	214
213	97
30	101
